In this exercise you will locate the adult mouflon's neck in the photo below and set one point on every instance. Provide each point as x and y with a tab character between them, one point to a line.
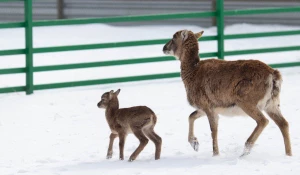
189	61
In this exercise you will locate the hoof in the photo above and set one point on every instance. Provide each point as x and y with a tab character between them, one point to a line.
247	150
244	154
121	158
131	158
216	154
108	156
195	144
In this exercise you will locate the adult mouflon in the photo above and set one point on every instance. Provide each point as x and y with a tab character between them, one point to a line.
229	88
139	120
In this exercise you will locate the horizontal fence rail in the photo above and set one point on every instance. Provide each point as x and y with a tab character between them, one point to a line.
28	24
124	19
12	25
13	52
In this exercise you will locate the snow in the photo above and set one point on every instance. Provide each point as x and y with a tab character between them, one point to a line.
63	132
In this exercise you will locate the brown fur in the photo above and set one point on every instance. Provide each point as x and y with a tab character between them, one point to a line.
216	86
139	120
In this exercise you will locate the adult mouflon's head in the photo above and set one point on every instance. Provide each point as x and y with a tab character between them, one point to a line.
107	97
182	40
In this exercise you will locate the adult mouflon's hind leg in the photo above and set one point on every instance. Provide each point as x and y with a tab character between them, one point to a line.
261	121
191	137
274	112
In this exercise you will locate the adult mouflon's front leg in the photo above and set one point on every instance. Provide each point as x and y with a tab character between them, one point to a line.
213	119
192	139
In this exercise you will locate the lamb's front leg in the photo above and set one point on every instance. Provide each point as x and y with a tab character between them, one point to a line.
192	139
122	137
110	147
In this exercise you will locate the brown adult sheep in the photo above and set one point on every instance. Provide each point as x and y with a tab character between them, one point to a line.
230	88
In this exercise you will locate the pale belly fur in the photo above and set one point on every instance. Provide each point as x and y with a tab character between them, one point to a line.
232	111
237	111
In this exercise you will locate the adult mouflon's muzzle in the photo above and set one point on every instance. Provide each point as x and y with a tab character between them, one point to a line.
166	48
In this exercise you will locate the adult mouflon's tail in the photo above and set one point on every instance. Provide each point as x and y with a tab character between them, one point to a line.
277	80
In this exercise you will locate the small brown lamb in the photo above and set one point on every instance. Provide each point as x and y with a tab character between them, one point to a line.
139	120
213	87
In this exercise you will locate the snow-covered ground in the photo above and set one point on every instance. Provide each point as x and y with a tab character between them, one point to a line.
62	132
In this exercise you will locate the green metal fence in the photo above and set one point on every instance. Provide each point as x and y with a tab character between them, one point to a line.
28	24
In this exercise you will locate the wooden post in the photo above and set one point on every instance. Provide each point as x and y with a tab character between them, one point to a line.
213	9
60	9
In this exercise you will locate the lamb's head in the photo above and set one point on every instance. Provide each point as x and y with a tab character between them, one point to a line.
182	41
109	98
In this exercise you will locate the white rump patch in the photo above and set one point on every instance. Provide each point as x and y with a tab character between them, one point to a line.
262	104
273	105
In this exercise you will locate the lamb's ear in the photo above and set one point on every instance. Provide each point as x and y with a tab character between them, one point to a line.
111	94
198	35
117	92
184	35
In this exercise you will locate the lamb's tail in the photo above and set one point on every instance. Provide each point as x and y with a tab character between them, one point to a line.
277	80
154	118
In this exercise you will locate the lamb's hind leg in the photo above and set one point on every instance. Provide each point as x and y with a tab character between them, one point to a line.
143	142
191	138
157	141
261	121
274	112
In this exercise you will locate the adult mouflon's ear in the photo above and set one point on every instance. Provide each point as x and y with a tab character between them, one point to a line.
198	35
184	35
117	92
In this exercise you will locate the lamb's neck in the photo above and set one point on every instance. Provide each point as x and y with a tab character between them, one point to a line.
111	111
189	63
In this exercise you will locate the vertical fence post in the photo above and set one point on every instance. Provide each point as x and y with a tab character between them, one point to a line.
29	46
213	9
220	28
60	9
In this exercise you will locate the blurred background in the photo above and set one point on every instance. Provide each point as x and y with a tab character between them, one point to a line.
66	9
62	132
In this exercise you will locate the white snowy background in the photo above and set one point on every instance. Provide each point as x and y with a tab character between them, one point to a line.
62	132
